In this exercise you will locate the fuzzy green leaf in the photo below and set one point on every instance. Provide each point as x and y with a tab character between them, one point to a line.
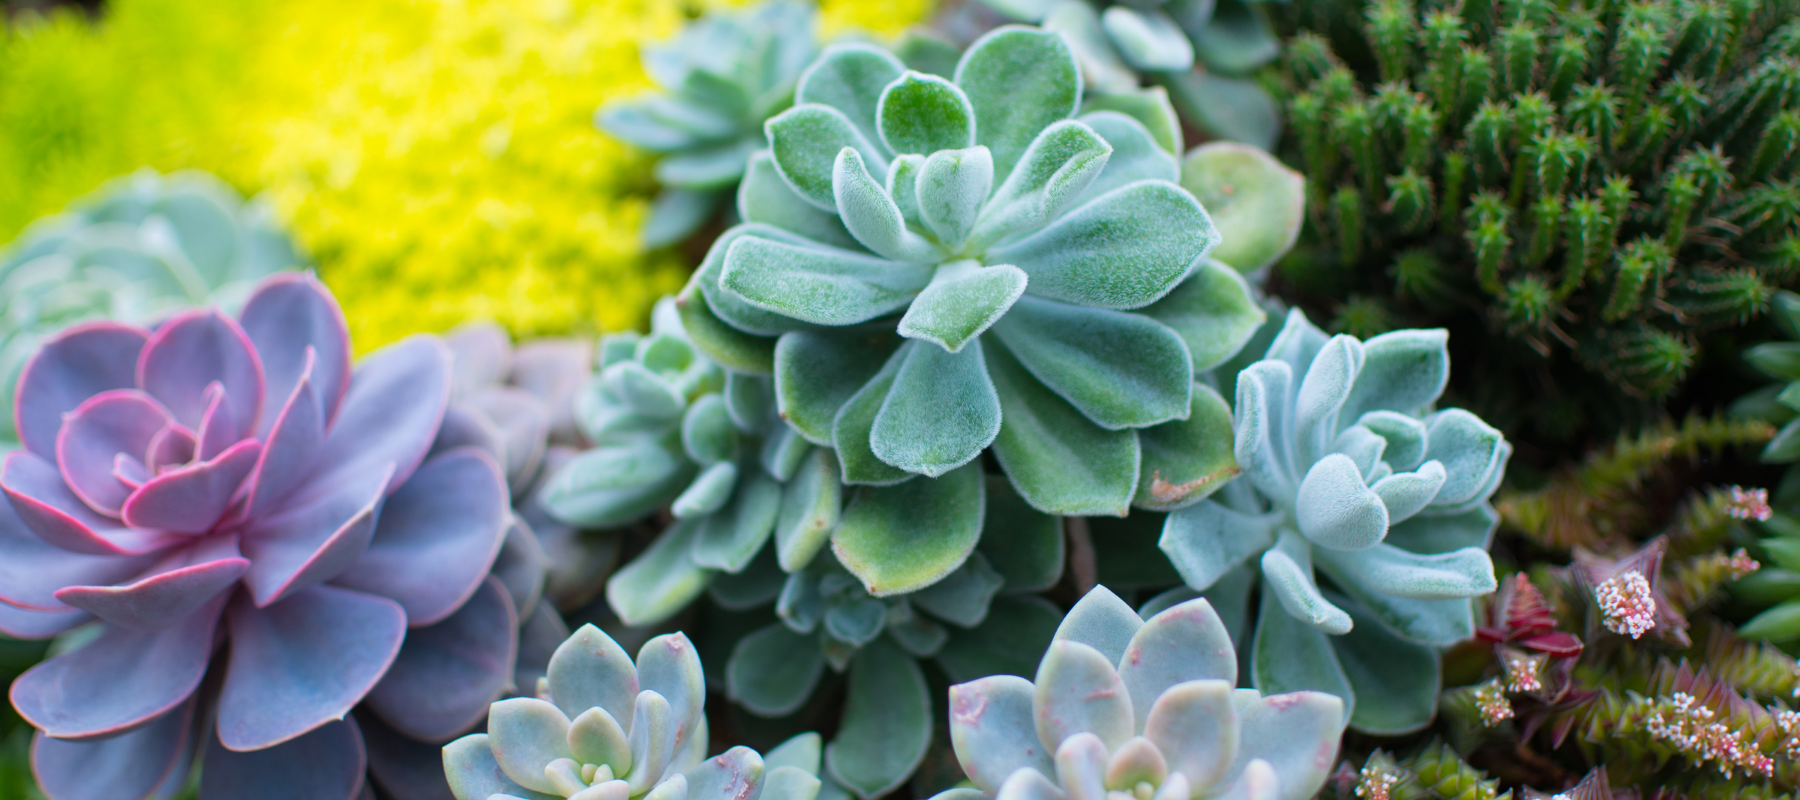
615	484
730	538
1213	311
962	597
660	581
1121	370
811	504
708	493
1058	459
1289	655
887	722
924	114
856	420
1396	682
872	216
1150	107
817	372
1101	65
1019	81
804	142
707	431
939	414
1208	540
1441	533
764	197
1287	571
1124	250
963	300
1335	509
900	539
1148	39
1185	461
1060	165
903	186
850	78
1136	156
1472	452
726	346
952	188
825	286
1392	571
728	306
1256	202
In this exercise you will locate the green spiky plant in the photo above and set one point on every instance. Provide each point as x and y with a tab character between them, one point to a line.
1598	183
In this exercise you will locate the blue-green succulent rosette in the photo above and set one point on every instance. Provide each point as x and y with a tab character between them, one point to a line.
1363	514
933	267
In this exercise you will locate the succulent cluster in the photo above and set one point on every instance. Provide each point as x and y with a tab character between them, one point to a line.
235	480
1202	53
137	249
1123	706
1348	471
605	726
1604	181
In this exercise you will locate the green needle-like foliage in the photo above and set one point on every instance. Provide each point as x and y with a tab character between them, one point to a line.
1601	183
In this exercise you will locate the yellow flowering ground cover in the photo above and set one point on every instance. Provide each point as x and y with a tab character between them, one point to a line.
437	157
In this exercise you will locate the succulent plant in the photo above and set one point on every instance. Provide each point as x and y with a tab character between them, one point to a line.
1123	706
1348	471
137	249
722	76
1202	52
1013	256
1778	403
234	480
1601	183
606	727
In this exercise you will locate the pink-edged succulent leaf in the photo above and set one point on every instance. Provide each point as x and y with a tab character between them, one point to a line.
993	732
669	666
1297	733
170	592
171	446
286	315
446	674
475	774
390	413
191	351
1194	726
125	679
325	764
590	670
303	662
1556	643
735	773
104	428
44	503
20	623
319	535
31	571
1185	643
218	428
291	445
526	735
70	368
128	767
1102	621
191	499
1077	690
437	537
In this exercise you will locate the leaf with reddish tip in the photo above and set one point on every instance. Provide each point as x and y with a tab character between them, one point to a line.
1102	621
33	571
319	535
992	730
291	444
128	767
119	682
191	351
287	314
437	537
71	367
44	503
1077	690
1184	643
390	413
731	775
669	666
192	499
590	670
326	764
446	674
122	422
169	595
320	651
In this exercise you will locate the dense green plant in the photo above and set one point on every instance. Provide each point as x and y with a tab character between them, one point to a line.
1598	183
1202	52
1124	706
137	249
1349	471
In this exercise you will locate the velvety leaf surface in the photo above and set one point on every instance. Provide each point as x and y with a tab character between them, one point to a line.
886	726
1136	155
850	78
952	187
773	670
1150	107
871	214
1059	460
962	301
765	198
1018	81
1213	311
1126	249
1208	540
731	537
1054	171
940	413
817	372
1289	655
816	284
1396	682
856	420
1148	39
804	142
1121	370
614	484
902	538
924	114
660	581
1185	461
811	504
962	597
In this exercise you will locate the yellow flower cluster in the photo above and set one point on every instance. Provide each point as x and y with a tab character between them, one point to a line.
437	157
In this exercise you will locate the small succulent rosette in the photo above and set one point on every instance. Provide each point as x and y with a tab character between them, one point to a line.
1348	472
722	76
606	728
139	248
1127	707
932	267
262	537
1125	44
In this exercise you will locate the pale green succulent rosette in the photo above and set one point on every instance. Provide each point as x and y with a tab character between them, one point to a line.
138	248
1350	476
722	76
606	728
1127	707
1202	51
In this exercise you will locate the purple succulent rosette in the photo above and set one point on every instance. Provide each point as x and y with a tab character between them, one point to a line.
266	538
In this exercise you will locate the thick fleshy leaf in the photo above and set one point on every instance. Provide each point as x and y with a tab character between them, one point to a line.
708	432
1121	370
1396	682
596	738
963	300
1336	510
993	731
1079	691
1136	156
43	502
523	422
1150	107
850	79
1126	249
446	674
924	114
327	763
1029	786
804	752
1194	726
707	168
952	187
1236	39
1287	572
1213	311
1208	540
887	722
791	782
662	123
1288	655
526	734
668	666
128	767
730	308
1185	461
804	142
903	538
1389	570
817	372
1059	460
825	286
1437	622
708	493
772	671
1148	39
390	413
903	187
1025	545
20	623
318	536
193	498
962	597
764	197
320	650
737	772
940	413
856	623
1224	107
660	581
730	538
124	679
1058	167
287	314
69	368
615	484
812	502
1019	81
474	773
294	436
1101	65
856	420
191	351
1184	643
1010	641
401	767
1325	386
1256	202
1102	621
871	214
33	570
1402	371
1081	766
1262	417
178	588
115	424
1407	493
1296	734
590	670
1473	453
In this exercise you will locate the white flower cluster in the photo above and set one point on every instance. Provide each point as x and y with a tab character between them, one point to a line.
1688	724
1626	604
